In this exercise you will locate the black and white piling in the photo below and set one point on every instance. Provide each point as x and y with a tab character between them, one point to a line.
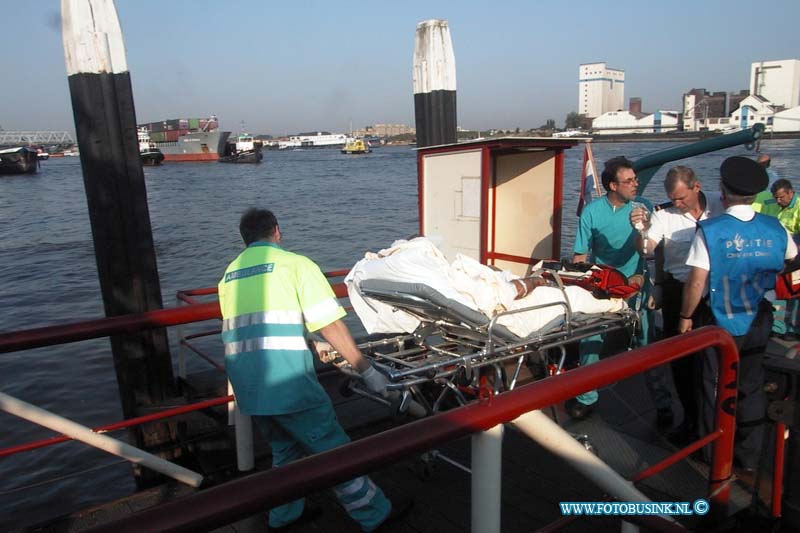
434	84
105	123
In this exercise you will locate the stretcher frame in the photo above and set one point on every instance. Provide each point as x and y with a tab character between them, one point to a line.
454	346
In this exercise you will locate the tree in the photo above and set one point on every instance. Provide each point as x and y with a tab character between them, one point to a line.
573	120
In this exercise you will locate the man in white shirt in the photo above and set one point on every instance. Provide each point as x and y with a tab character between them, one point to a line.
734	259
673	225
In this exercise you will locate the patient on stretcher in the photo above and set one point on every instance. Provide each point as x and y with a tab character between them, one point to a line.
477	286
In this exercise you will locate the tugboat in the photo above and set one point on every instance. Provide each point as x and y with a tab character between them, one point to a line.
149	154
245	151
356	146
20	160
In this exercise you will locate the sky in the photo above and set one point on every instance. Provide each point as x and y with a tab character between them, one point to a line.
288	67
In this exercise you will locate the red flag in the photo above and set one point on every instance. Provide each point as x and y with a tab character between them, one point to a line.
589	180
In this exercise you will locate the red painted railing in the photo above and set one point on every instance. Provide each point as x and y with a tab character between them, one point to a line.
130	422
103	327
226	503
317	472
195	311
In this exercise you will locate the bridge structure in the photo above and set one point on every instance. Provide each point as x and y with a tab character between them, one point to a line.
46	138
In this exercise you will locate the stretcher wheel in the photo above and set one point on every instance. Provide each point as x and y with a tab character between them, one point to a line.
586	443
424	467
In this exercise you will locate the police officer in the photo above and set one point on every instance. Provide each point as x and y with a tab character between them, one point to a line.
269	297
734	257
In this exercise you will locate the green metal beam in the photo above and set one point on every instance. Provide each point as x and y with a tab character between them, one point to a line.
646	166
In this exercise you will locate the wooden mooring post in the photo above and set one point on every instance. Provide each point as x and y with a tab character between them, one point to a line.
105	124
434	76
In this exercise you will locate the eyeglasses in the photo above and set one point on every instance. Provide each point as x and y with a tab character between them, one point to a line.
628	181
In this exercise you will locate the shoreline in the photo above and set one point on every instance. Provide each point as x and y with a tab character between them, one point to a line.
681	137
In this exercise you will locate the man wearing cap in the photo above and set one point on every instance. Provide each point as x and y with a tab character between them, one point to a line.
734	258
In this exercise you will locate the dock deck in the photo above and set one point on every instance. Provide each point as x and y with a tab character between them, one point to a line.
622	430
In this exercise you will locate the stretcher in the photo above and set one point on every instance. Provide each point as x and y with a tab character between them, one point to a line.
457	350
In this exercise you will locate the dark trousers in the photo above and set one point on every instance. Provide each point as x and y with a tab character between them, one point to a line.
685	371
751	407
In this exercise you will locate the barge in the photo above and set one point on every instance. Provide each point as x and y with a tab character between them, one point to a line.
19	160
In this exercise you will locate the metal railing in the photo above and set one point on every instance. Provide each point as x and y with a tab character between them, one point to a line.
226	503
338	465
194	311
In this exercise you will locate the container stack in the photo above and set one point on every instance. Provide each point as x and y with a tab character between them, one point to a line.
170	130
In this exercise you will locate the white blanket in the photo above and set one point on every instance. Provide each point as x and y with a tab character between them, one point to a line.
466	281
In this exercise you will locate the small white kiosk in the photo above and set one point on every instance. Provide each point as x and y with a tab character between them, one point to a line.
497	200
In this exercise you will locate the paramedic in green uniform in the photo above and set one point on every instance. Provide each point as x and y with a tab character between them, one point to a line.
605	237
783	205
269	298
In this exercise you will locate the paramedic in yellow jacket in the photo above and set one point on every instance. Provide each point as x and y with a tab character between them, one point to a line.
269	297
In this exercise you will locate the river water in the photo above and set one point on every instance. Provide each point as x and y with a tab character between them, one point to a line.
331	207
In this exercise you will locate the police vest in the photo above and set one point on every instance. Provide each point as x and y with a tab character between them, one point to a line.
744	258
268	298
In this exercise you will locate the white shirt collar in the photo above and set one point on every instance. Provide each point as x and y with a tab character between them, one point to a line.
742	212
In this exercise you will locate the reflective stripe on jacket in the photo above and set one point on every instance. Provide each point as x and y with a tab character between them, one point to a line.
268	298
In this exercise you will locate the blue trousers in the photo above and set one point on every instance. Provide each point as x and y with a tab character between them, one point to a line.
293	436
657	379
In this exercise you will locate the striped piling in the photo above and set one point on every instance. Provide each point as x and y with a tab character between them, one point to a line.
434	78
105	123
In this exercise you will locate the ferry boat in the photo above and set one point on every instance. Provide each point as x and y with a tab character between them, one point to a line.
356	146
319	139
19	160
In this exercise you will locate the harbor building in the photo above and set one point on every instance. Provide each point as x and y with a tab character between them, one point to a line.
787	120
777	81
734	100
703	110
385	130
752	110
635	121
600	89
773	99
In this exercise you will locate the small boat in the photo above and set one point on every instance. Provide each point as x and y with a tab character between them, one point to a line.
356	146
149	154
245	151
20	160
